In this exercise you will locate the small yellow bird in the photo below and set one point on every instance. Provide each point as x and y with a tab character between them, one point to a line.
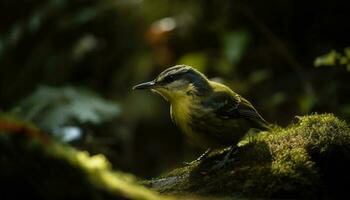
210	114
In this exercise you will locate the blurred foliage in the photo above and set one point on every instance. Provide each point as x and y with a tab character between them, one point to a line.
263	50
334	58
54	109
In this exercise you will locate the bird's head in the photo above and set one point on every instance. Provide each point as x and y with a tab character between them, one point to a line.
177	82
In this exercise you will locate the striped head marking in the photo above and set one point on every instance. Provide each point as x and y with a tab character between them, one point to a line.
177	81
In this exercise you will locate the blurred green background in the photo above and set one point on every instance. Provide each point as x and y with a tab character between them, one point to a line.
69	65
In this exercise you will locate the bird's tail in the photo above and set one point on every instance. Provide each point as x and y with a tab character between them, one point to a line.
262	124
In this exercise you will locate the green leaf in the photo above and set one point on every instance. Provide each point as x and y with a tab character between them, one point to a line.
328	59
235	44
52	108
197	60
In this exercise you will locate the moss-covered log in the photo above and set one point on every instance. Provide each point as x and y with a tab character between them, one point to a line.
309	159
33	167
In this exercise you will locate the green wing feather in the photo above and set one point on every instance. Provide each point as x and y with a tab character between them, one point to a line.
233	106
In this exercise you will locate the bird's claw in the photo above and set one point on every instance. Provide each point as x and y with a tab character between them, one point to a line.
222	163
190	163
199	159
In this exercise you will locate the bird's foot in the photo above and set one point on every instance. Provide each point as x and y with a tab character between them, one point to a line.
190	163
199	159
220	164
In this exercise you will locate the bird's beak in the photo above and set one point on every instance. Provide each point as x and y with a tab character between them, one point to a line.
144	86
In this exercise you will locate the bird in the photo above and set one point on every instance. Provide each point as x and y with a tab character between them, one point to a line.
210	114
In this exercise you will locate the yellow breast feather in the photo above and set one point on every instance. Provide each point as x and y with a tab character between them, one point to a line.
180	113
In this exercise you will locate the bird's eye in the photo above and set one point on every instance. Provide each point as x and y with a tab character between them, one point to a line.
169	79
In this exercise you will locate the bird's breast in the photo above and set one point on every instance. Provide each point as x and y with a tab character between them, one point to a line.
182	114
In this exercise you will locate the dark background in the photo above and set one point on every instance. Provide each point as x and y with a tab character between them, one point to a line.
264	50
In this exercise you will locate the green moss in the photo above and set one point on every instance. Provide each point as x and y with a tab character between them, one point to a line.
43	169
99	173
308	159
294	162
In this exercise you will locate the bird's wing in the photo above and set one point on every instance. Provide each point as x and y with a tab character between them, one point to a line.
233	106
247	110
223	104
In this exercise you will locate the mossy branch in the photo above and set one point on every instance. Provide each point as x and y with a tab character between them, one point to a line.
300	161
309	159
